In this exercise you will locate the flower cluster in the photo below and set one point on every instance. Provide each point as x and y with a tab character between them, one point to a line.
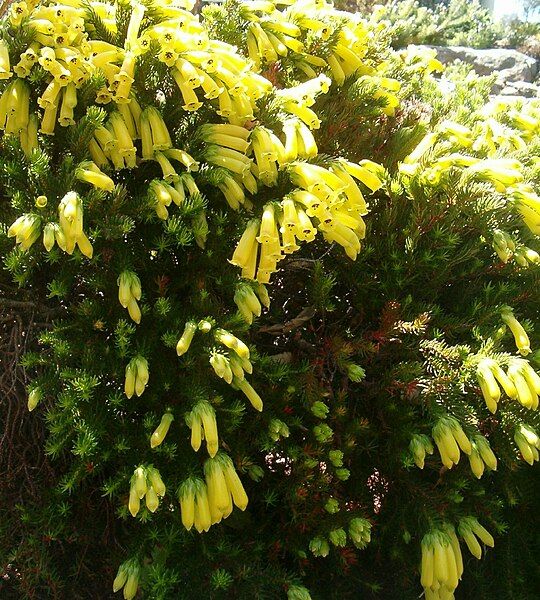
450	438
129	292
442	562
145	483
205	503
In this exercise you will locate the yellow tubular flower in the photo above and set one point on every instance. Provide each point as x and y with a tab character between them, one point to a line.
89	172
220	364
187	336
253	50
217	486
268	225
105	139
440	567
49	120
520	336
121	134
503	379
441	446
202	509
524	447
426	569
139	482
169	173
216	514
250	268
132	583
291	139
452	580
530	376
182	157
338	75
134	503
525	395
465	531
125	111
84	245
233	192
25	227
476	462
482	533
207	415
5	72
233	482
304	113
121	578
152	501
187	503
191	101
486	453
265	47
134	25
210	87
146	138
225	104
48	236
244	250
236	366
363	174
307	147
188	73
250	393
97	154
195	424
162	429
229	141
229	159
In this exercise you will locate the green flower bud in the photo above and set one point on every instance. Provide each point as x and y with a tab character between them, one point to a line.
331	506
319	547
298	592
343	474
33	398
360	532
338	537
323	433
336	457
355	372
255	472
320	410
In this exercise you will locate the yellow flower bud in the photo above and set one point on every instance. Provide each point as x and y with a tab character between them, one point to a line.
49	120
152	500
34	397
134	503
520	336
130	589
5	72
187	336
162	429
187	504
89	172
250	393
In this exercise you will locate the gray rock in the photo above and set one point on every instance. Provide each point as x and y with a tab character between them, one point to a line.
510	65
520	88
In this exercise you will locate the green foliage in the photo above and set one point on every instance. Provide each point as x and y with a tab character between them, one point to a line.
457	23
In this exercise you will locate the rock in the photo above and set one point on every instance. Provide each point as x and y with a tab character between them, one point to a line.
510	65
520	88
